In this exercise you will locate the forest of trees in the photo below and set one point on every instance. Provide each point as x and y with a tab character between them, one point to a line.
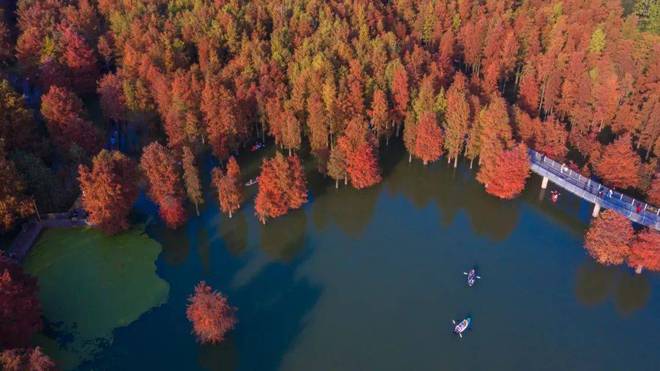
336	80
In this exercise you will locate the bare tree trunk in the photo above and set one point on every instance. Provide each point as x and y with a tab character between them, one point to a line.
518	74
346	179
197	208
455	162
231	215
336	183
471	161
36	209
409	157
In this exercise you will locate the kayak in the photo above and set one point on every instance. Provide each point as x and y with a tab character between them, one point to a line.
461	327
471	277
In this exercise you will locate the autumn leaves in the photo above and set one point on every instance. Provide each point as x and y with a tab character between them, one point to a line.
611	240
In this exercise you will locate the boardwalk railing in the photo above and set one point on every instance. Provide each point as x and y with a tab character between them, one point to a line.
594	192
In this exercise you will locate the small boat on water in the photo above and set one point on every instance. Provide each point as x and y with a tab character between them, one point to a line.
251	182
472	277
461	327
257	146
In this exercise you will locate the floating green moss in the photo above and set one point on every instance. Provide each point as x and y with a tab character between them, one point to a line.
91	284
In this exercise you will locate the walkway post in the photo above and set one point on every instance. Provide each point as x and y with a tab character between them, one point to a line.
596	210
544	183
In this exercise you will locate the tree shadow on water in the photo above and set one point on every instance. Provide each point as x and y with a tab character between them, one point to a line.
595	283
219	357
234	231
273	308
282	238
350	209
175	243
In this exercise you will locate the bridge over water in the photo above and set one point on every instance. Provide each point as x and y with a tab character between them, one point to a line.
594	192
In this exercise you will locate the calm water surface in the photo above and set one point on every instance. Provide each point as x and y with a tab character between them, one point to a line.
371	280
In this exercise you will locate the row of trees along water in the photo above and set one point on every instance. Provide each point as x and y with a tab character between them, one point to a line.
576	80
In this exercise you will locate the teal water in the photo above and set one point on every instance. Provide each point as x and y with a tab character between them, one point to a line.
370	280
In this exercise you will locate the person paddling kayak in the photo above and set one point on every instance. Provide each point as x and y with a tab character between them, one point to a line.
461	327
472	277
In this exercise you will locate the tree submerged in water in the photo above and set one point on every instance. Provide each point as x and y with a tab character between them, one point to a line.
210	313
645	251
282	187
608	238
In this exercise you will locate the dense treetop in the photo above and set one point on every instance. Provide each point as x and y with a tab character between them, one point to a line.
576	80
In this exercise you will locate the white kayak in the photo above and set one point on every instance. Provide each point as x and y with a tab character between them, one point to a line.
461	327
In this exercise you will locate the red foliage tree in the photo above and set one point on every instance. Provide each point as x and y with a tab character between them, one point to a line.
379	114
619	166
164	179
219	109
608	238
63	112
653	194
291	131
191	178
428	144
109	190
233	170
282	186
229	191
495	138
506	177
298	184
172	211
400	92
317	123
337	165
457	117
111	96
20	310
645	251
210	313
25	359
363	168
528	98
81	60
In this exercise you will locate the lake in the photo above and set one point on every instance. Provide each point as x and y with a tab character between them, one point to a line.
371	280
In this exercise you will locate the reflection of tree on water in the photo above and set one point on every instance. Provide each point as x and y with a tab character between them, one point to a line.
203	248
596	283
455	190
633	292
176	244
283	237
350	209
234	232
219	357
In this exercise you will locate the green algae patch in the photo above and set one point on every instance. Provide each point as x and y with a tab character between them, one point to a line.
91	284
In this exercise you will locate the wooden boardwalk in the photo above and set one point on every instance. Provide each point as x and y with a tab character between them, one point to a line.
594	192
